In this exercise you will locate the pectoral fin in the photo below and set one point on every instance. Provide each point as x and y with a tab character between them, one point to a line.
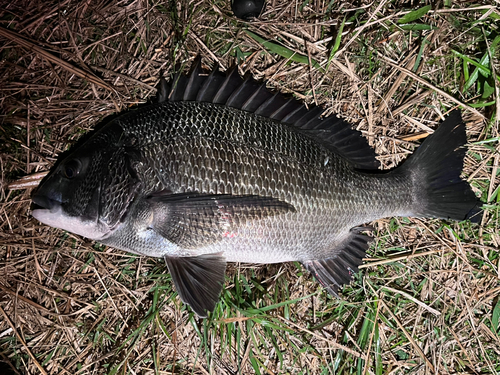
337	270
192	220
198	280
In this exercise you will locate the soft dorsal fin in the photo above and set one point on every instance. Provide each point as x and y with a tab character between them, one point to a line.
232	90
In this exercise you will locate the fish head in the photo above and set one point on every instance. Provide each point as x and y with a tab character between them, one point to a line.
88	192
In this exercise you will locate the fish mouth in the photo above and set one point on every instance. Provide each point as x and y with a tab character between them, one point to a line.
46	210
51	212
43	202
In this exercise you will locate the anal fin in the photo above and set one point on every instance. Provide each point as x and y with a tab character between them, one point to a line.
337	270
198	280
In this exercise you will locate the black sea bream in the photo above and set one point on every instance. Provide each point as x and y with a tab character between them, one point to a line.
222	170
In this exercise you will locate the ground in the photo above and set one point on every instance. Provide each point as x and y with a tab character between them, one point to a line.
426	299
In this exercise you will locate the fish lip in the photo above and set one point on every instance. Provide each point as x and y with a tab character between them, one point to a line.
43	202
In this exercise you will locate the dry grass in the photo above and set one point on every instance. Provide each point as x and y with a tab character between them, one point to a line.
424	302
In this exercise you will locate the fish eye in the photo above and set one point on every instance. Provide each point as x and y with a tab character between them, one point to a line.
72	169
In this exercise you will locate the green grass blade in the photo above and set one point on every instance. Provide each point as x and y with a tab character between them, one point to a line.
492	15
336	45
255	364
494	196
415	15
482	68
379	366
425	42
417	27
283	51
489	140
260	311
482	65
481	105
495	318
466	70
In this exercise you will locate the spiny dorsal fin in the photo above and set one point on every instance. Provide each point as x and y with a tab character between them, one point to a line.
232	90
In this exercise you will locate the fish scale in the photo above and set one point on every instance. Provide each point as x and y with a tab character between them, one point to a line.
332	193
220	170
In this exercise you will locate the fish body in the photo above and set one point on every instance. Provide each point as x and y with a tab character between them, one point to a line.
221	153
220	170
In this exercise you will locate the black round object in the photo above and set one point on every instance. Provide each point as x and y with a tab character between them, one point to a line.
245	9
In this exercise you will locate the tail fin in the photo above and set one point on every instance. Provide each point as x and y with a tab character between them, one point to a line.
435	170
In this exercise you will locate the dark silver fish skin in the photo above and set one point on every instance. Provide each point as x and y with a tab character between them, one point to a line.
213	150
217	177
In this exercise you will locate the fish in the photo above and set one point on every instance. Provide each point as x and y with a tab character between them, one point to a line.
221	169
